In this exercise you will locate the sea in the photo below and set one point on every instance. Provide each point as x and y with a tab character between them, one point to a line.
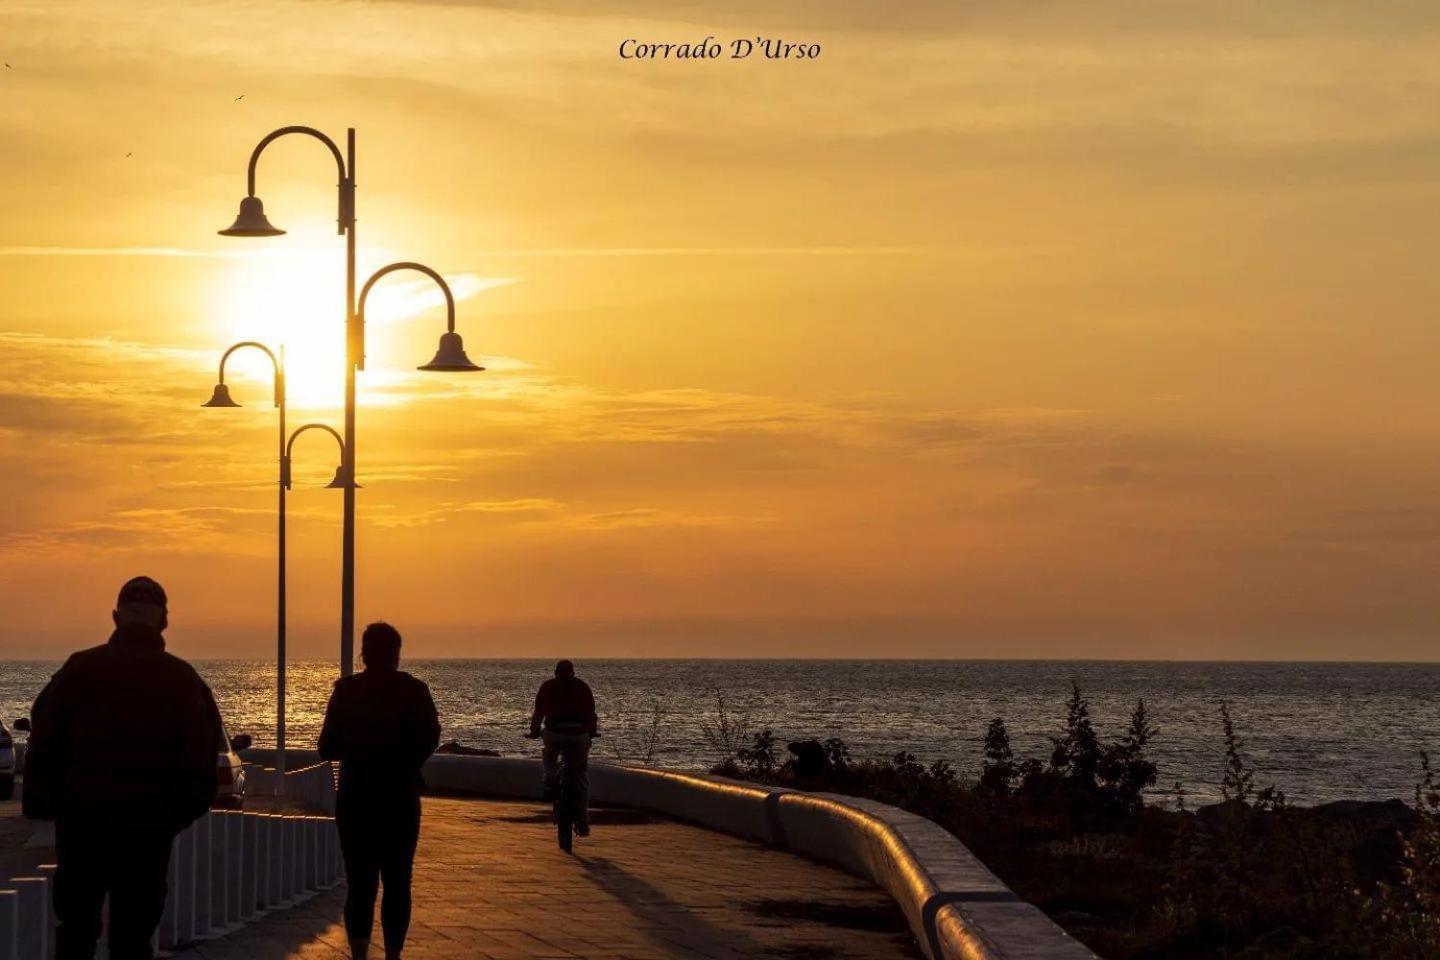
1318	731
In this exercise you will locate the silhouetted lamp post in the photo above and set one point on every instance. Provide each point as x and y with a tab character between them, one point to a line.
221	398
252	222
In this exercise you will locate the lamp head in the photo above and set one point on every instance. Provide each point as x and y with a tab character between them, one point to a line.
451	356
251	222
342	480
221	397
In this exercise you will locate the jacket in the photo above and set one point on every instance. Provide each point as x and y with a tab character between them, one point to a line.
123	733
381	726
565	705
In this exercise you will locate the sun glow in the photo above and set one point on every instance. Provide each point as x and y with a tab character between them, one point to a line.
295	298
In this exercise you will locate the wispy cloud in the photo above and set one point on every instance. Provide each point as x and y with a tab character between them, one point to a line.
290	252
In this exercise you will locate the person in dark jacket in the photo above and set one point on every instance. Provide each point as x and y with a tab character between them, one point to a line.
564	717
381	726
124	745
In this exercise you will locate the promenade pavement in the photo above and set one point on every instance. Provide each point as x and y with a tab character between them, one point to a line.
491	884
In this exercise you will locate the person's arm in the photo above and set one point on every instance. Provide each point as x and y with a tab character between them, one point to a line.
332	732
428	727
590	716
45	751
200	734
538	714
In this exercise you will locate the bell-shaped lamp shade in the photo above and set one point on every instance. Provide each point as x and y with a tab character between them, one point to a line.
251	221
221	398
342	480
451	356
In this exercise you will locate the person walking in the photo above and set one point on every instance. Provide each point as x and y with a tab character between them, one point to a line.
564	718
381	725
124	745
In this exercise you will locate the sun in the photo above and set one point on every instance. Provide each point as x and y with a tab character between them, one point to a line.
293	299
294	296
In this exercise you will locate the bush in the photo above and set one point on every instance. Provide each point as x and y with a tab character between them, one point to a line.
999	771
757	761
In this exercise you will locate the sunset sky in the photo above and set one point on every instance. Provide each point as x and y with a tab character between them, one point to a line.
1031	329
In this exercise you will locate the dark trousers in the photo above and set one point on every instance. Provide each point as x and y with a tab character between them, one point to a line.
378	837
576	747
129	863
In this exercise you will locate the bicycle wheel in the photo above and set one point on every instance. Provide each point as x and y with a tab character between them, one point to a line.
564	816
565	829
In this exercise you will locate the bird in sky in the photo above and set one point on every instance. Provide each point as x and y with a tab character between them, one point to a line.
127	155
239	98
7	66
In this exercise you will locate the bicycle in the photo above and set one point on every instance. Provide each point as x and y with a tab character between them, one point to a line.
566	802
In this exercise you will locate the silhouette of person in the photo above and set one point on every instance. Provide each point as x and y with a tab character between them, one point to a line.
565	708
124	745
381	726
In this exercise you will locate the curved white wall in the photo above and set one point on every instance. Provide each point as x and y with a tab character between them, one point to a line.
957	908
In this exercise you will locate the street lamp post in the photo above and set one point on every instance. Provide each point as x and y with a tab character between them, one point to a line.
252	222
221	398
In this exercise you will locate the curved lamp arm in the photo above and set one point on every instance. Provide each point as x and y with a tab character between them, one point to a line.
290	445
375	277
407	265
346	216
277	362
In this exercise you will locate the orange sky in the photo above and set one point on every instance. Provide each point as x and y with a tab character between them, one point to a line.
1071	329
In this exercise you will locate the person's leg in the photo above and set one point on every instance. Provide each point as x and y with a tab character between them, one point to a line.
362	874
580	757
397	868
80	853
137	883
550	758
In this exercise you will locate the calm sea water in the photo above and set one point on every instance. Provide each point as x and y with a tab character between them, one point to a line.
1318	731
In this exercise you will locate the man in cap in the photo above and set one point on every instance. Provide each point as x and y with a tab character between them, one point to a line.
122	756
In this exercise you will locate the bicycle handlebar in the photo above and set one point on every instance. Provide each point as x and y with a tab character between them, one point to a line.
535	736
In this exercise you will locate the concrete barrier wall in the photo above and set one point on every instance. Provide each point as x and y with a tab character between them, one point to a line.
226	868
308	779
730	806
957	908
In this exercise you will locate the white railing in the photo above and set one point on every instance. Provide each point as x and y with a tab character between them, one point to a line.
226	868
313	786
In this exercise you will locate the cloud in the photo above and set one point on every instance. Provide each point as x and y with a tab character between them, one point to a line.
388	516
188	530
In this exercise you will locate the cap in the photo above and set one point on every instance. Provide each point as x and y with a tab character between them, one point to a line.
142	590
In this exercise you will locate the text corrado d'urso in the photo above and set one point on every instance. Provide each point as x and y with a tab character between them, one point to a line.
767	48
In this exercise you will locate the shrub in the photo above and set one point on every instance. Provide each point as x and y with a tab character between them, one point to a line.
998	772
1076	754
1239	782
1124	771
758	759
725	732
837	754
1404	917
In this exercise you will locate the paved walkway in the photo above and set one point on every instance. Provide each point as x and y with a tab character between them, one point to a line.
491	883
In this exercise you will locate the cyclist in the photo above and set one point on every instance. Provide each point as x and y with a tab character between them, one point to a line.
565	709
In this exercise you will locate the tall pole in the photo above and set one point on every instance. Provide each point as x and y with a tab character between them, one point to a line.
347	547
280	588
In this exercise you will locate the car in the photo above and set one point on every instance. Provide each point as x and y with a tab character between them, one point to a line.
7	763
230	771
229	768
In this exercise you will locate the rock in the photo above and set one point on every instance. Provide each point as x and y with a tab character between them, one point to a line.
455	747
810	760
1368	814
